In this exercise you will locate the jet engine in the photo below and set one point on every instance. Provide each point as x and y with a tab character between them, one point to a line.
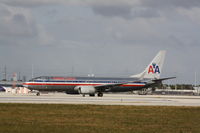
85	89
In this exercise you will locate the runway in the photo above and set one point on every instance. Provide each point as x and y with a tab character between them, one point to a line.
107	99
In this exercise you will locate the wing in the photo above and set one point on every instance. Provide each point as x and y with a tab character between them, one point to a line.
148	84
108	86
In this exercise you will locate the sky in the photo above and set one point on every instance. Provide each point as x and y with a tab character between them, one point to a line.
101	37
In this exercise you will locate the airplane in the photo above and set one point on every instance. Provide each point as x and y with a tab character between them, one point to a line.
150	77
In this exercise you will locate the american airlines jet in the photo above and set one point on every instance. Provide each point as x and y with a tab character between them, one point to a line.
150	77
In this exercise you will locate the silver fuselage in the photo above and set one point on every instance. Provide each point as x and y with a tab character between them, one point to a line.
68	84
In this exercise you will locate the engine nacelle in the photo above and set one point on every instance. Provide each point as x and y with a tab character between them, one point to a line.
85	89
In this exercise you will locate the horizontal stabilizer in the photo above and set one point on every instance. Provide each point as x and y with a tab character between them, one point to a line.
157	80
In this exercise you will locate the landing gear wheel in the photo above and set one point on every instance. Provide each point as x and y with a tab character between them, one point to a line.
83	95
92	95
100	94
38	94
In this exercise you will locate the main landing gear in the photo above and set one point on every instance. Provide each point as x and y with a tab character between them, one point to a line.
92	95
99	94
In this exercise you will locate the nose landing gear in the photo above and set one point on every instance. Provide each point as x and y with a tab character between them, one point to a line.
100	94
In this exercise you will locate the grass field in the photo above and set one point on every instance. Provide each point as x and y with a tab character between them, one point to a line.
52	118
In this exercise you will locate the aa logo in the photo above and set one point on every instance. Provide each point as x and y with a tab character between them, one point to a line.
153	68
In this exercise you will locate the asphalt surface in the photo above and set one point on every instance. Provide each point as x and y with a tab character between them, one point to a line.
107	99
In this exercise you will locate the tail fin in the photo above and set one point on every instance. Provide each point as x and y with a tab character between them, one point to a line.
153	70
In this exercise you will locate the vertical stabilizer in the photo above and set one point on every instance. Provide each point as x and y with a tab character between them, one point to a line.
154	69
